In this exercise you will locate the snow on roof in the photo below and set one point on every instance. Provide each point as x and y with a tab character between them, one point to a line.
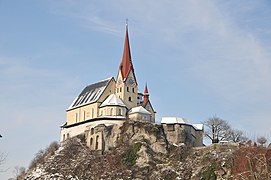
198	126
138	109
113	100
91	93
173	120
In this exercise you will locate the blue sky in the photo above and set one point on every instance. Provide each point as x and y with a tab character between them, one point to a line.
200	58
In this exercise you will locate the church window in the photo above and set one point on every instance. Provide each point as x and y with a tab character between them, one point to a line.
84	115
120	89
92	131
76	117
68	136
120	112
97	142
130	99
127	89
170	127
92	112
63	137
91	141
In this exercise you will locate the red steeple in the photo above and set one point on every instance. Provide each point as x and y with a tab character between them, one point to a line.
126	64
146	95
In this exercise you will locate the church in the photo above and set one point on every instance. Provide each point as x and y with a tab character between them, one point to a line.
107	103
102	107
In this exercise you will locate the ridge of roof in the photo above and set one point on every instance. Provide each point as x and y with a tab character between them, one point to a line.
90	93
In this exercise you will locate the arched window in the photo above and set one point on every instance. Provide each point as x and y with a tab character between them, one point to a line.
97	142
91	141
127	89
111	112
68	135
92	131
63	137
92	112
120	89
120	112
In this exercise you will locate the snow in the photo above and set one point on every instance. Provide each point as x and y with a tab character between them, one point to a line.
173	120
198	126
138	109
113	100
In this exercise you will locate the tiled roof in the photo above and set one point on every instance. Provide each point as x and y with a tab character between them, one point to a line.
90	94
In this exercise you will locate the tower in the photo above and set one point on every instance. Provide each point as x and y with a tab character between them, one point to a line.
126	84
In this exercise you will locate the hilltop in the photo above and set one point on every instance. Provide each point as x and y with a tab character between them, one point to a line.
142	152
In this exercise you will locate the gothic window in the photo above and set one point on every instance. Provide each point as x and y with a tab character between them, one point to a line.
92	131
111	112
76	117
92	112
120	112
68	136
91	141
97	143
63	137
84	115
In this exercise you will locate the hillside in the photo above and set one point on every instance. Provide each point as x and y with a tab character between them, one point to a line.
141	152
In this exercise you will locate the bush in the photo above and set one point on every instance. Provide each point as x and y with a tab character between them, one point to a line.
130	156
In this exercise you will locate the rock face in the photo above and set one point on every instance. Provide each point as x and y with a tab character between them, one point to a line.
141	151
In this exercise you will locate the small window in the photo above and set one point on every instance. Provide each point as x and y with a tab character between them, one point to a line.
76	117
170	127
92	131
63	137
92	112
133	90
84	115
120	89
117	90
127	89
91	141
120	112
97	142
111	112
130	99
68	136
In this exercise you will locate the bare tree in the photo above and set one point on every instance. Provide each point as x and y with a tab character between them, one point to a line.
217	129
236	136
261	140
19	172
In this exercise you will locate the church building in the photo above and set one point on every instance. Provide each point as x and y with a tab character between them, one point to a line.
108	103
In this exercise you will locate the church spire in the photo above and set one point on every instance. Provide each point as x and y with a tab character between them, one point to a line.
126	64
146	95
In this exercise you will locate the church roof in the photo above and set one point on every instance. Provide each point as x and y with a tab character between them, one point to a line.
138	109
113	100
126	64
91	93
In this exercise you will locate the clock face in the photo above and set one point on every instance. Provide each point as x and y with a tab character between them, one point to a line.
130	82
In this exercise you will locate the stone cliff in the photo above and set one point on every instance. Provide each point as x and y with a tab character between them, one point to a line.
140	151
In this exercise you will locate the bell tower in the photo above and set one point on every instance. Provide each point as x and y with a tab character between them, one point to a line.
126	84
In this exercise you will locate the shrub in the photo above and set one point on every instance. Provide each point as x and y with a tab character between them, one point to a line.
130	156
